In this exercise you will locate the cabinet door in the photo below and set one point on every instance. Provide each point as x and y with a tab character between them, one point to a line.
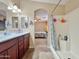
20	47
3	55
20	51
13	52
26	43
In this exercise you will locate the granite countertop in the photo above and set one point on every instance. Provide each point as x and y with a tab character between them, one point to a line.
8	36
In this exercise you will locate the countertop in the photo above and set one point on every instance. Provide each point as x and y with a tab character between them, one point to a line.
10	35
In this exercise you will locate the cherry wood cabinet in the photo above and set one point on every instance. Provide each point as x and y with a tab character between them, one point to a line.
3	55
14	48
12	52
26	43
20	52
5	48
21	47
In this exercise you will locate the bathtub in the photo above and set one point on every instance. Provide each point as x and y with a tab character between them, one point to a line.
66	55
63	55
55	55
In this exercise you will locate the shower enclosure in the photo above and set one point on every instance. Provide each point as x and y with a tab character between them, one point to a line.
53	34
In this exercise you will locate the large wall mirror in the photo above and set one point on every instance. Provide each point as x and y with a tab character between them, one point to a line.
2	16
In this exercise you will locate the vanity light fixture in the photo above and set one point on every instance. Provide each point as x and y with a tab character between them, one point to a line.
14	9
19	10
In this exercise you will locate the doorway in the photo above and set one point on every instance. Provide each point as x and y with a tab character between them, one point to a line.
41	27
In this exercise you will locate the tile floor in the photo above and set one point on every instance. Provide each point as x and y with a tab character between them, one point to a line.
29	54
40	52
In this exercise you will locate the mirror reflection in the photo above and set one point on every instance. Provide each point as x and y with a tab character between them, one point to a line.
2	16
14	22
24	22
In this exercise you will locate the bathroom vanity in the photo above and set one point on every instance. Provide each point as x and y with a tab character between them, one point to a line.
14	46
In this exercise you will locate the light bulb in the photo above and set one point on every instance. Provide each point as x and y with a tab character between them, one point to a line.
14	11
35	20
19	10
15	7
9	8
16	21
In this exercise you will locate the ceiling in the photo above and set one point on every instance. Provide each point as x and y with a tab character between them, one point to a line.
63	2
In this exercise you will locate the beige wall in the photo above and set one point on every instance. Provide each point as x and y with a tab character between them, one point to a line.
71	5
72	16
29	7
40	26
73	23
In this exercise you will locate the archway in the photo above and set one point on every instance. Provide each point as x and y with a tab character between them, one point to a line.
41	26
41	14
